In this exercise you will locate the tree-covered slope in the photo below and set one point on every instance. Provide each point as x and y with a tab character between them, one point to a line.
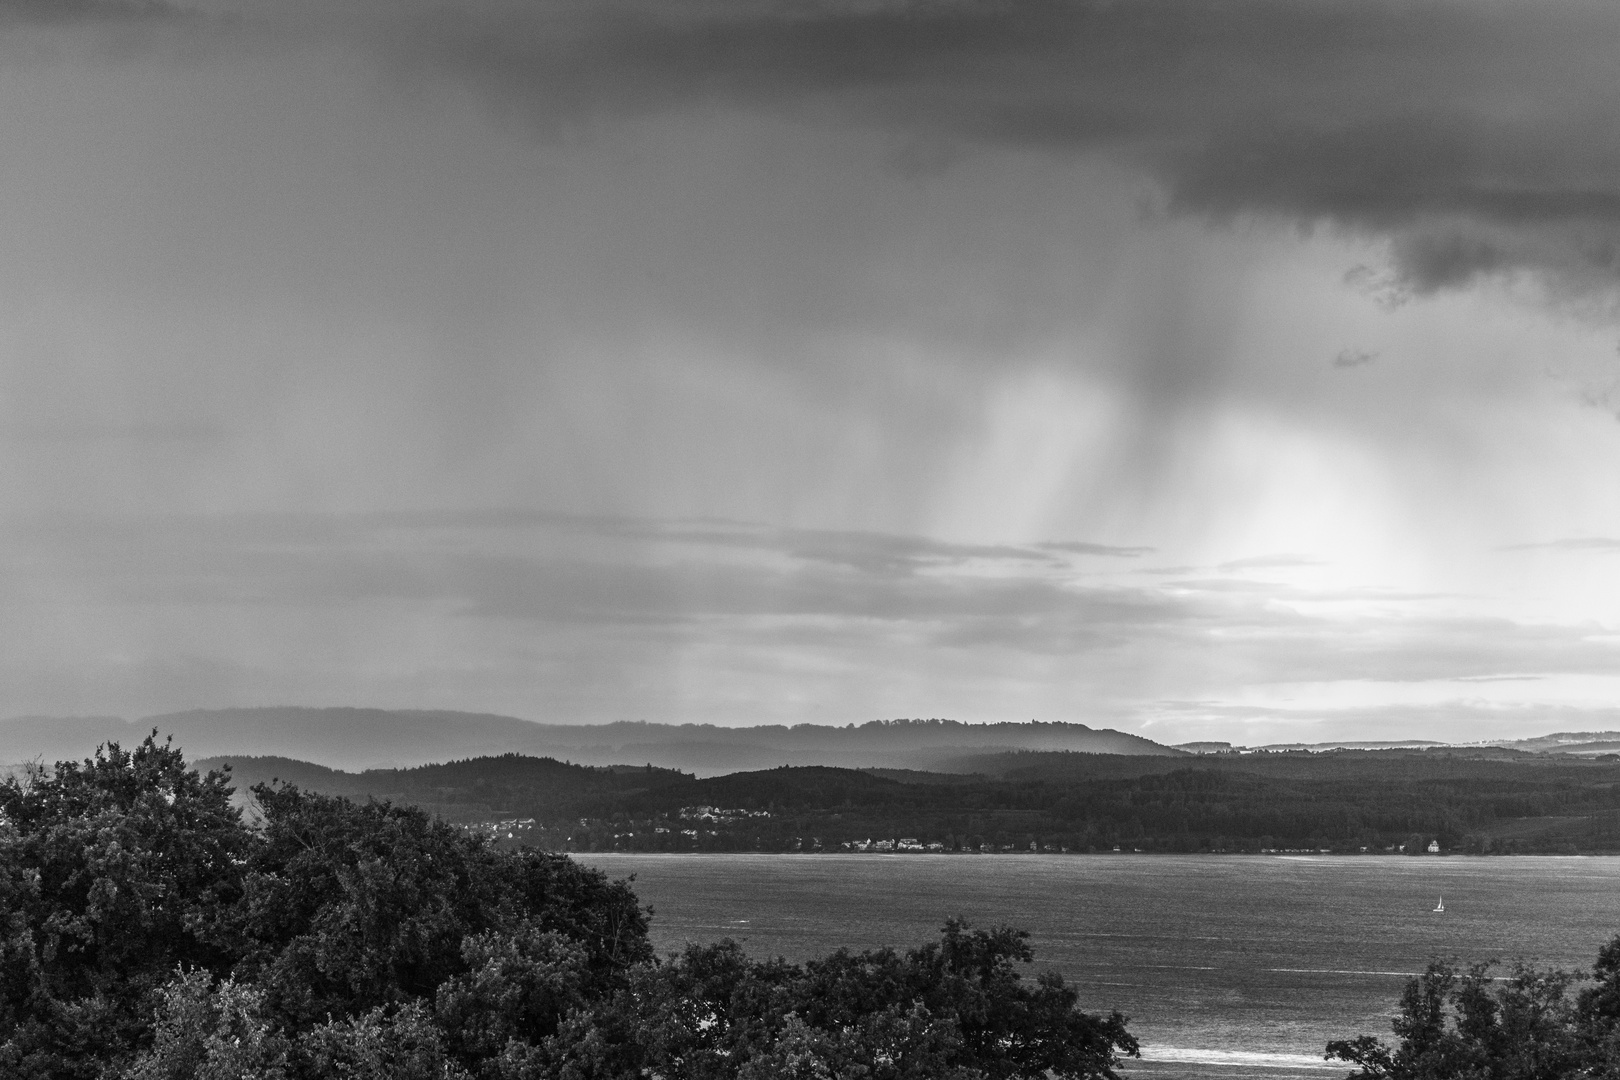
1482	801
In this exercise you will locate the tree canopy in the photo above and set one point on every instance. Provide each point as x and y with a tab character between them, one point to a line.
151	934
1468	1024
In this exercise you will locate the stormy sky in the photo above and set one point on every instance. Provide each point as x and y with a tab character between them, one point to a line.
1241	369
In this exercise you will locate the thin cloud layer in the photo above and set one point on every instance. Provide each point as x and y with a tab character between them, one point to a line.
1601	544
1471	720
1352	358
622	591
1080	547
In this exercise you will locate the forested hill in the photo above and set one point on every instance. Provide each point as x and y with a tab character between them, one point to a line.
1484	801
509	785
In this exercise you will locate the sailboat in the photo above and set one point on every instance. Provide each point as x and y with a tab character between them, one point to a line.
1441	906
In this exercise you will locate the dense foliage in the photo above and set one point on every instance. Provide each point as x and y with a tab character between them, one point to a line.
1477	801
1471	1025
953	1010
149	934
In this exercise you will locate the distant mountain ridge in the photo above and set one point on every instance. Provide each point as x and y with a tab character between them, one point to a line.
1581	743
1569	742
355	739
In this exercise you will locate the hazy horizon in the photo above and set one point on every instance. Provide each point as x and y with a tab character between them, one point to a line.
1243	372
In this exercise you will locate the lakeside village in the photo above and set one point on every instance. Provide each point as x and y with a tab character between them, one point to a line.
715	828
698	826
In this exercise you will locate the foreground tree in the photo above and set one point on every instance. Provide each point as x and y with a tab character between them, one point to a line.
130	887
1597	1016
111	873
346	908
1471	1025
204	1032
149	934
957	1009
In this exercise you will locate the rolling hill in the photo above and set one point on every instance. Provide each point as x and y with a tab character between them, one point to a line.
1479	800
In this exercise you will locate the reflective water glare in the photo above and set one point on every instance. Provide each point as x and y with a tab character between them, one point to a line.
1227	965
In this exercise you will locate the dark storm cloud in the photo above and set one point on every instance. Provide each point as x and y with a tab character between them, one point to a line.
1480	137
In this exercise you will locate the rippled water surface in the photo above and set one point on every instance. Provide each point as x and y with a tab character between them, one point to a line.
1227	965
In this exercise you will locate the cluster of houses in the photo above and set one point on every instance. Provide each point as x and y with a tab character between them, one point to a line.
509	828
719	814
905	843
911	843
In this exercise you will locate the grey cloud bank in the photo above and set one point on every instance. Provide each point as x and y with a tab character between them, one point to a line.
1479	136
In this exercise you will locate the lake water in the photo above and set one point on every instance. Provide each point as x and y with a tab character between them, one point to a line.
1228	966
